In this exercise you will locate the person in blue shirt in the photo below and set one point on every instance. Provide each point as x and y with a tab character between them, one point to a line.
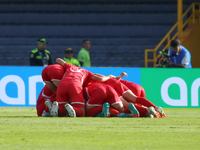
180	57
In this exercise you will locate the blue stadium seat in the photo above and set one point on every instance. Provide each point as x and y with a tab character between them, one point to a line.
78	41
90	18
119	31
42	31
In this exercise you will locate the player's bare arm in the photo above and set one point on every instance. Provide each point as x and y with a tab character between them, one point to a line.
101	78
60	61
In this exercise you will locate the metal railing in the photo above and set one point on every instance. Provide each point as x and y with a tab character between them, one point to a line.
193	18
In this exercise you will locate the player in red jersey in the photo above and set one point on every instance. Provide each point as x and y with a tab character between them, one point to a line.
45	95
137	89
52	74
130	97
70	90
140	96
101	96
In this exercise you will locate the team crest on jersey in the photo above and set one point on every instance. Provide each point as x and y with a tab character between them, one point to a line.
32	55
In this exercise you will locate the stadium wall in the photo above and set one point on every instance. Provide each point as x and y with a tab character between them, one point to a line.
20	86
191	42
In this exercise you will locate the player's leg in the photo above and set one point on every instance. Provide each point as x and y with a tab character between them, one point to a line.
93	111
75	95
135	88
143	94
58	108
98	94
113	99
40	106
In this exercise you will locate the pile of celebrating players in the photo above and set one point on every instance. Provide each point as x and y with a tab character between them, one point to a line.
71	91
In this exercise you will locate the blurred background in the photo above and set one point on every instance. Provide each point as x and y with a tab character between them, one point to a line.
119	30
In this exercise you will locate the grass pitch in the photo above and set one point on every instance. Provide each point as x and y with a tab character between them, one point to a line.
21	129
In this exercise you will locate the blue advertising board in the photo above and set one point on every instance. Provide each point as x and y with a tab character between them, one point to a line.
20	86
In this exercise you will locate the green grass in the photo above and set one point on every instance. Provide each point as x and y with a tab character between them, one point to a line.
21	129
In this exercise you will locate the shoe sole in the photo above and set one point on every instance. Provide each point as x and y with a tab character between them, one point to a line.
54	109
70	110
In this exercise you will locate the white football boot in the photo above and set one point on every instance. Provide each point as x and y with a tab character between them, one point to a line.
150	115
70	110
45	114
152	111
160	110
54	109
49	104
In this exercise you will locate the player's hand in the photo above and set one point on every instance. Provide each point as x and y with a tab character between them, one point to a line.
121	75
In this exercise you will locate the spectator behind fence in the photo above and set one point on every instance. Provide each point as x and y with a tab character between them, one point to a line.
84	54
163	60
40	56
179	56
69	57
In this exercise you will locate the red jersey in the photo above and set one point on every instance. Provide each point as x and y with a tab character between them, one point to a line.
45	94
53	73
99	93
76	74
118	86
137	89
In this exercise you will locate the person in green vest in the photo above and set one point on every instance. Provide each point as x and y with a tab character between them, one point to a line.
69	57
40	56
84	54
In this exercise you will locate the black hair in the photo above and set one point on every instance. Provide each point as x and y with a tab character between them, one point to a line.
175	43
84	41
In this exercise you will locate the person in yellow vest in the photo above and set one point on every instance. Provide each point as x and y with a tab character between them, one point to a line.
40	56
69	57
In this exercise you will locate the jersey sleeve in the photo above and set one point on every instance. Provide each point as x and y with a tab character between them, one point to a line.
88	78
66	66
90	74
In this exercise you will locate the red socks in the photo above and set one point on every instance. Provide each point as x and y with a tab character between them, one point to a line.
142	110
113	112
78	111
94	111
145	102
127	111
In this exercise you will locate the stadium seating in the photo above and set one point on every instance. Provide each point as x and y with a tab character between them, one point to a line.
119	31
